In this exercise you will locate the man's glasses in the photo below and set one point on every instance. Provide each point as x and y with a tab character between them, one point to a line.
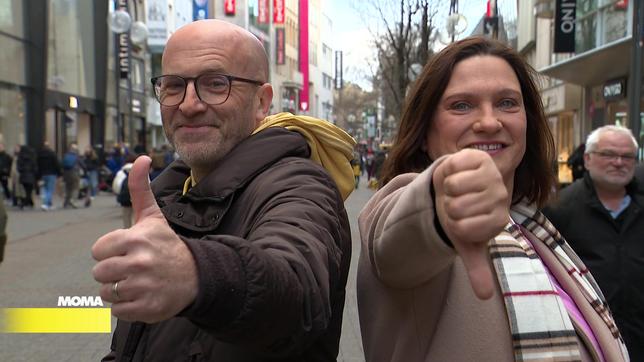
610	156
211	88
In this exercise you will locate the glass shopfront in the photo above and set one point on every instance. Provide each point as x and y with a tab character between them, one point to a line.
562	127
12	117
12	74
70	53
599	22
70	71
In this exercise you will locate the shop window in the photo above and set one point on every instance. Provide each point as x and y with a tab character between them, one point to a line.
138	75
615	24
70	54
599	22
12	117
562	129
11	18
586	33
12	57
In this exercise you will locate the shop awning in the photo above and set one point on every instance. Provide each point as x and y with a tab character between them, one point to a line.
596	66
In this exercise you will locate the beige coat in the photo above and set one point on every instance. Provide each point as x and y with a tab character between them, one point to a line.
414	297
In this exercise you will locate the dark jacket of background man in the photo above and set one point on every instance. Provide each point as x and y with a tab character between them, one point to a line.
613	250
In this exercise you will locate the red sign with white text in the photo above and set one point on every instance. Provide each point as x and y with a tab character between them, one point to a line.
263	16
278	11
280	46
229	7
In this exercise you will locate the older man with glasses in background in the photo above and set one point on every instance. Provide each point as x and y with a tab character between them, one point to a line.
240	249
601	216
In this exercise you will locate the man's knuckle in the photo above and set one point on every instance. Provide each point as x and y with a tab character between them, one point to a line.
141	262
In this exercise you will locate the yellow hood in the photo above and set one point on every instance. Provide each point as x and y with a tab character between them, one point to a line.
330	146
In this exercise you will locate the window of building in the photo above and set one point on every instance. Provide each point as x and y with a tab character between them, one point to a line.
12	117
254	15
599	22
138	75
70	54
12	57
11	18
313	53
327	54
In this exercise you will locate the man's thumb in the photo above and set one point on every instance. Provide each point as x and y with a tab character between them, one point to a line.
143	202
475	259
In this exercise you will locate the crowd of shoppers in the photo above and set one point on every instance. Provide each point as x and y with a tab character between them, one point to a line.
29	175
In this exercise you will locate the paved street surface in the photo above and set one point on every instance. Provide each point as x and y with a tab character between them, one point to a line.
48	255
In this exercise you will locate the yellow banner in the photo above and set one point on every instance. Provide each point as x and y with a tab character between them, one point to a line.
55	320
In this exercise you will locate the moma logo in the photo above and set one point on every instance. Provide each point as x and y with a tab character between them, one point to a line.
76	301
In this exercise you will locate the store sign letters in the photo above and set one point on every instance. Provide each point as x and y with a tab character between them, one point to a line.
565	26
263	16
124	47
278	11
615	89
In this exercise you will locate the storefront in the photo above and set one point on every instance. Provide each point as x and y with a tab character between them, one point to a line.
612	100
13	81
69	119
602	66
562	103
75	81
12	116
289	97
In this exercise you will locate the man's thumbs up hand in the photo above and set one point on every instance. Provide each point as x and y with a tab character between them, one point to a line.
155	271
472	204
143	202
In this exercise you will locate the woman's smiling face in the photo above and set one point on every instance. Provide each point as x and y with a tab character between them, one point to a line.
482	108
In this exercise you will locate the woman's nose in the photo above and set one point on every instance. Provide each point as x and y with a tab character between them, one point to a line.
488	121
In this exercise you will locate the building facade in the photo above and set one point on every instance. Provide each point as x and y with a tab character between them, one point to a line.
321	57
593	83
16	91
66	76
51	73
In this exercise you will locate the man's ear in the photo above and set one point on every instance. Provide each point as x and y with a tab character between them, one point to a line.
586	159
265	97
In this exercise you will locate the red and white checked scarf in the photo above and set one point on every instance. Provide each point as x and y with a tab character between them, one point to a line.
539	322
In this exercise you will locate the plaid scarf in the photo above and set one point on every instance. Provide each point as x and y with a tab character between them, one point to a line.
539	322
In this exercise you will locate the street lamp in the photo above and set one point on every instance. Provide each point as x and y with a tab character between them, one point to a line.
456	25
126	33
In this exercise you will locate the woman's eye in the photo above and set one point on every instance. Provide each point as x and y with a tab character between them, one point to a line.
460	106
508	103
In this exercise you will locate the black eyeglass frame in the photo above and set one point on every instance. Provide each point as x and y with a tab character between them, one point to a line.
186	80
611	156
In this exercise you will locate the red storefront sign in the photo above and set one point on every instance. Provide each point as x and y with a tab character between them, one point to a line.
229	7
263	15
280	56
278	11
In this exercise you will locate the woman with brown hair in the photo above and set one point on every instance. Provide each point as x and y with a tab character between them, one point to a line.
457	262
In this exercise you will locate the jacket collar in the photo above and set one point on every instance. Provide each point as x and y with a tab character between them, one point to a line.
632	188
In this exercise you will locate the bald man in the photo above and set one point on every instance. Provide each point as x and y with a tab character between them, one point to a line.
240	249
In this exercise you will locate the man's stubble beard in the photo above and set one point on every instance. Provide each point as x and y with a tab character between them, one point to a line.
611	182
198	153
202	154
